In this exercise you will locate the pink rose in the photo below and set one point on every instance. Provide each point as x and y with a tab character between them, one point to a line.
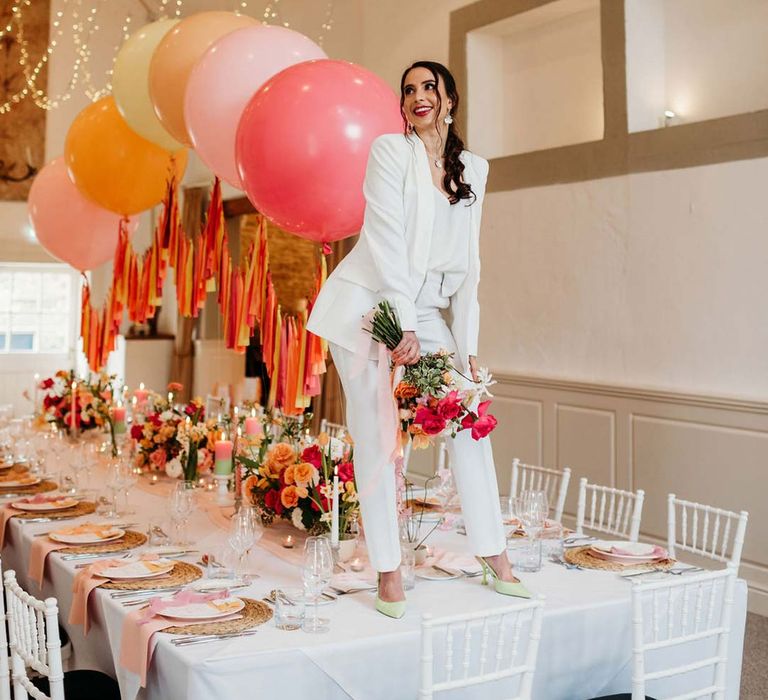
137	431
430	422
158	459
346	472
484	423
312	455
449	406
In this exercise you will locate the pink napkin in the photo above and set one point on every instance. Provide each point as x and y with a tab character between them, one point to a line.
40	498
138	640
6	513
41	548
656	553
453	561
85	581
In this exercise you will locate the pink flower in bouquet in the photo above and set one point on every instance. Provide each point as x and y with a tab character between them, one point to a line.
481	424
312	455
430	422
137	432
449	406
346	472
158	459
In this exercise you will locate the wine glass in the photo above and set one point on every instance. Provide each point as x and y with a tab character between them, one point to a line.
115	484
182	505
246	530
534	511
129	480
317	572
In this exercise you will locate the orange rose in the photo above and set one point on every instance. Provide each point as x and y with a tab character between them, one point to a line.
323	439
249	485
288	475
289	497
406	391
304	473
279	457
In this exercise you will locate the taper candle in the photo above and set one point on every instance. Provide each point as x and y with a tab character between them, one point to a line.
335	509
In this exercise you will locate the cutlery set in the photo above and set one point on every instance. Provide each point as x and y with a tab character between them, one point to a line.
191	640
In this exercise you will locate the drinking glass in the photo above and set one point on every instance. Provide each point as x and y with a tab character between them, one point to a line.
289	610
129	481
182	505
531	508
317	572
115	484
246	530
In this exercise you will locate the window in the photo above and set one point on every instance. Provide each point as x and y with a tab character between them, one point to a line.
37	308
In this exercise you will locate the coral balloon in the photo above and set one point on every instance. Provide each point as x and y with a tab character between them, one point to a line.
130	83
303	143
176	56
68	225
114	166
225	79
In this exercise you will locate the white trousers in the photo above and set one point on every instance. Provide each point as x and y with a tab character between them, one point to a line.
471	460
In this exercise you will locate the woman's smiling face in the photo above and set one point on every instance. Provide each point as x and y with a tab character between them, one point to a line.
422	98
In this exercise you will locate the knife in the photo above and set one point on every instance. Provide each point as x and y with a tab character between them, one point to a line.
211	638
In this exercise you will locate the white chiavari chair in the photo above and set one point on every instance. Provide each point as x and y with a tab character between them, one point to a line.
492	646
700	529
609	510
337	430
5	672
554	482
692	609
33	630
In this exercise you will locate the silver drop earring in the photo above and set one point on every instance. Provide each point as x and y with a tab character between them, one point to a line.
448	119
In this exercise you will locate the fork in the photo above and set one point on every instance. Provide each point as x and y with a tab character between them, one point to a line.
204	639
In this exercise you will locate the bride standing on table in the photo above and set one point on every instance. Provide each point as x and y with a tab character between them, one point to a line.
418	249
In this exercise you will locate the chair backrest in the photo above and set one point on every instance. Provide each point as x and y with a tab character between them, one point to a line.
337	430
5	674
33	628
608	510
688	609
711	532
481	647
554	482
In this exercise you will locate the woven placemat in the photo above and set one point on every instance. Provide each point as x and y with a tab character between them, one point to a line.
82	508
130	540
42	487
181	574
253	614
586	560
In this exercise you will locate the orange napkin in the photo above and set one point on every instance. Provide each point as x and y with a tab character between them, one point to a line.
85	581
138	641
6	513
41	548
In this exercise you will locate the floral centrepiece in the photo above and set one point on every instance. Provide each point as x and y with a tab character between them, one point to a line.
176	440
294	483
429	397
91	401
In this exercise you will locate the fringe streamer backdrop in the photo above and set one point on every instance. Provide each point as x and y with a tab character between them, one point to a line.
246	297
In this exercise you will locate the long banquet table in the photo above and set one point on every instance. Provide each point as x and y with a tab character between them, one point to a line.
585	646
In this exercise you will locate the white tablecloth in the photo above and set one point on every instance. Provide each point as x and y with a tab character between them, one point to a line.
585	646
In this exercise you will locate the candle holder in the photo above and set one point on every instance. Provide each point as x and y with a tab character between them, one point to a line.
222	491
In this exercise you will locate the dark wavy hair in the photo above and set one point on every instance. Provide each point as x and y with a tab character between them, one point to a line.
453	167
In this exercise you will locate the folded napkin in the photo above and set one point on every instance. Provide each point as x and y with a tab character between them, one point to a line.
630	549
138	640
85	581
41	498
41	548
161	604
6	513
349	582
453	561
101	531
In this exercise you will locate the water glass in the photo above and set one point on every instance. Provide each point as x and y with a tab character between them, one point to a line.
290	610
317	572
552	543
246	530
220	562
524	553
157	533
182	505
408	565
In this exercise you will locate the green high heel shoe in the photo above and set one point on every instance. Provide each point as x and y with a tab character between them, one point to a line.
516	589
394	608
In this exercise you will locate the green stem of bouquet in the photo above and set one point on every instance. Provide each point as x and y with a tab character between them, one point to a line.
112	436
190	468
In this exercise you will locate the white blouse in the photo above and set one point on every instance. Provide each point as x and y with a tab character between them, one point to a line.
449	247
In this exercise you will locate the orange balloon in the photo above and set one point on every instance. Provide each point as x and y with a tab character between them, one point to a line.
114	166
176	56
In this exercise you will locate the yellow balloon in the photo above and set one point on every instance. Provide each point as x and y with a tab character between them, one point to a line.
130	83
175	57
114	166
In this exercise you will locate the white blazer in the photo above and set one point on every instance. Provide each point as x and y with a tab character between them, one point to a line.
389	261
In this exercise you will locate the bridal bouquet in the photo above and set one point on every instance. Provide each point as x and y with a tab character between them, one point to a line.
429	398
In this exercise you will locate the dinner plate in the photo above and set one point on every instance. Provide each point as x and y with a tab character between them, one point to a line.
19	483
209	610
640	553
429	573
87	535
49	503
138	569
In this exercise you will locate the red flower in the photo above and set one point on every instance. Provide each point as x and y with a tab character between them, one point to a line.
272	501
312	455
449	406
46	383
346	472
430	422
137	432
155	420
484	423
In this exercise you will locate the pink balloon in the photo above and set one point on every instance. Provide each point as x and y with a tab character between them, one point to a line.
225	79
303	144
68	225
